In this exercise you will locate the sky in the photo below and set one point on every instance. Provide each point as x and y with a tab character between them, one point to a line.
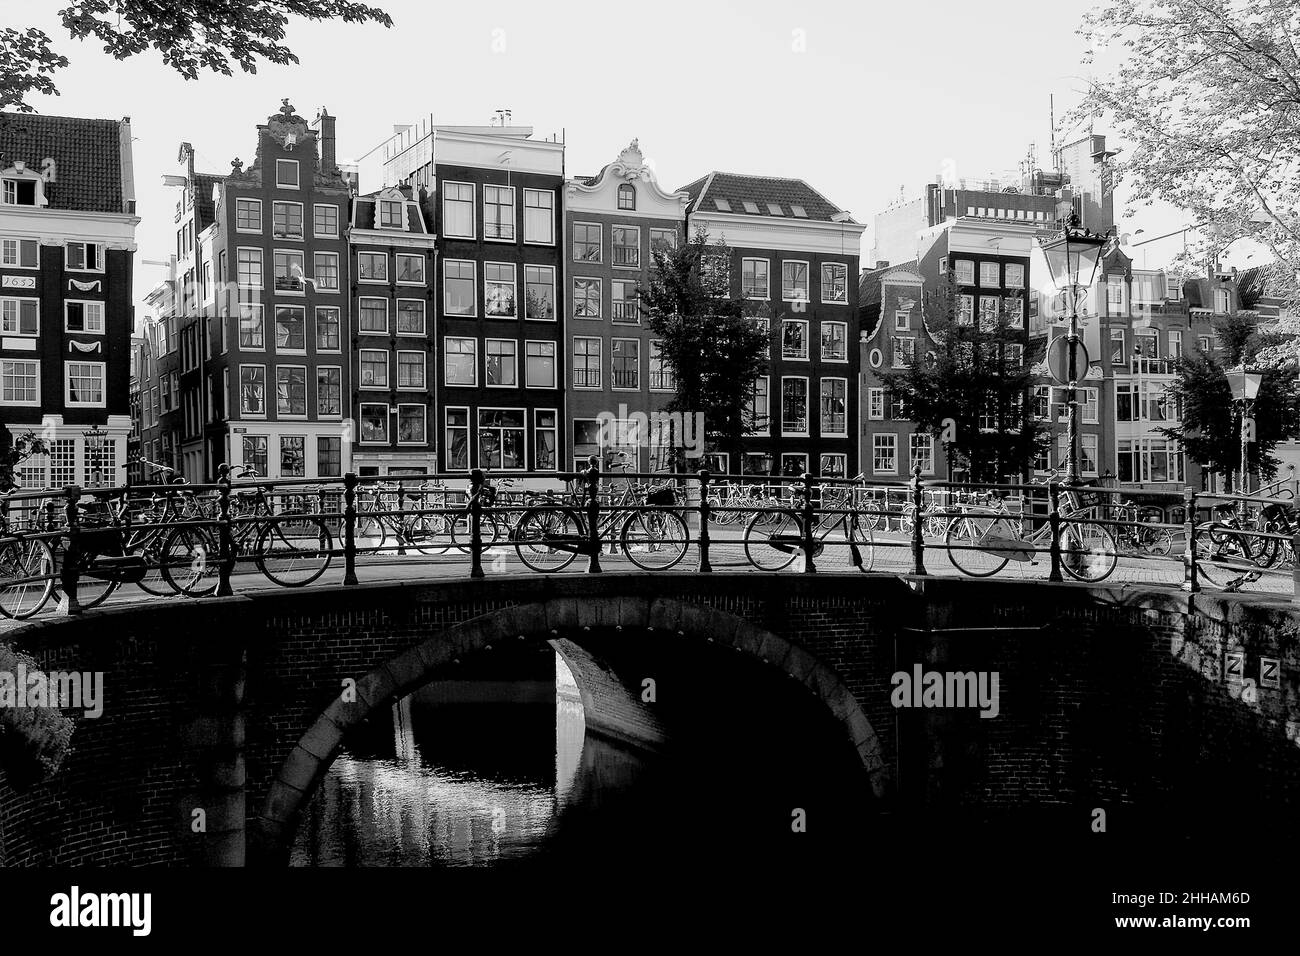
866	101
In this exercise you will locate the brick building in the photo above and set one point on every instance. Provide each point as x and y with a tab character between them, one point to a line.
67	241
796	254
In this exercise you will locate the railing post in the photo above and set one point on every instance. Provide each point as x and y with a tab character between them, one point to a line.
1190	569
592	477
1054	525
226	539
397	520
809	525
475	519
70	573
918	520
705	514
350	528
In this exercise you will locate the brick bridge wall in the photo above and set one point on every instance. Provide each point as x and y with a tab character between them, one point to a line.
1107	697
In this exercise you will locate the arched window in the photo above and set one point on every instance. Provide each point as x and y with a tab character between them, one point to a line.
626	196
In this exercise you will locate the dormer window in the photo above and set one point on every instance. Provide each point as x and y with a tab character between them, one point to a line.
19	186
390	215
626	196
286	173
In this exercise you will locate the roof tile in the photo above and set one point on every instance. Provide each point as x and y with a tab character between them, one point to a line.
87	154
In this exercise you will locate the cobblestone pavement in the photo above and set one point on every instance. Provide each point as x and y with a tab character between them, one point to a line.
892	554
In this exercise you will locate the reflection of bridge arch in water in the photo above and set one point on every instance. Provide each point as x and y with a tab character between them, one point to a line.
308	763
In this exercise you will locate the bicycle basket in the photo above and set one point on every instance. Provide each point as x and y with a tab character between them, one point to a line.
661	496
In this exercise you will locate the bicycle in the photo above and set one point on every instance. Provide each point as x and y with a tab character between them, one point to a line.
1142	538
774	538
26	568
995	539
426	533
291	549
549	536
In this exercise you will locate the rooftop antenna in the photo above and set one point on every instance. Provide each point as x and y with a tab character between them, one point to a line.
1051	108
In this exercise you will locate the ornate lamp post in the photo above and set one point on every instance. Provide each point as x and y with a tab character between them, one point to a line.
94	453
1072	256
1245	384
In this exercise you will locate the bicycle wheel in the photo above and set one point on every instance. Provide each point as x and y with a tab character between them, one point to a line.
861	539
188	561
772	540
294	550
147	543
977	544
429	534
1160	543
654	540
1088	552
461	535
539	531
371	533
93	588
26	577
1221	557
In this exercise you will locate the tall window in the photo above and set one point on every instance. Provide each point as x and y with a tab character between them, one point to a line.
254	453
372	316
753	278
965	272
545	439
1117	353
586	242
251	331
329	391
922	453
661	374
286	220
410	316
498	212
410	370
289	270
248	215
625	363
794	339
539	292
374	423
252	390
374	368
626	244
794	281
623	302
458	287
329	457
499	289
835	282
458	210
460	359
794	406
456	438
293	456
884	454
586	362
325	221
757	412
502	360
835	337
290	328
501	438
391	214
834	406
626	196
410	424
410	269
291	390
539	364
326	268
249	265
539	216
372	266
586	298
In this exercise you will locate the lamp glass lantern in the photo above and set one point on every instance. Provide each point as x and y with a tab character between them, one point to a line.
94	452
1245	384
1072	258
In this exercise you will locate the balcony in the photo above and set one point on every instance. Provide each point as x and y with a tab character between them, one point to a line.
586	378
627	256
625	313
1152	366
662	380
625	378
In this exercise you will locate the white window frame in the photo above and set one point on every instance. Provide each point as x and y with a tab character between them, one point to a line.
397	270
902	321
302	214
555	293
473	210
388	322
276	318
15	362
845	339
315	273
261	267
424	317
541	428
807	352
67	384
876	444
18	241
388	424
807	296
624	388
600	361
911	451
875	404
383	386
473	278
550	218
244	230
19	301
383	254
291	416
101	254
821	411
600	297
343	399
297	174
600	242
824	283
1019	270
103	316
514	285
555	363
401	214
514	224
473	363
807	406
424	435
424	371
766	429
478	430
255	308
767	279
486	343
446	444
614	263
961	267
324	235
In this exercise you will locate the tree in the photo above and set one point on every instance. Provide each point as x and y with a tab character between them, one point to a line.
1206	99
192	35
15	451
971	392
1209	426
709	339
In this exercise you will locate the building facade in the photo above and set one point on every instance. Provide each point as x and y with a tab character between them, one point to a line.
67	243
613	223
795	255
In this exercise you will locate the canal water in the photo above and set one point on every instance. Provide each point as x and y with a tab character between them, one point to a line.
502	772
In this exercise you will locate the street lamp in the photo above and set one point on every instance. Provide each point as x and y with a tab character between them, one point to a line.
1245	384
1072	256
94	450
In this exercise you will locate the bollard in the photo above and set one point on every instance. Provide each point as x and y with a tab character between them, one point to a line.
350	528
705	514
475	519
1054	523
226	539
918	519
592	478
809	525
70	573
1191	584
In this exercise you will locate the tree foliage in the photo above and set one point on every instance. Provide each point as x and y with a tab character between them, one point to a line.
1209	428
709	339
191	35
15	451
972	381
1206	99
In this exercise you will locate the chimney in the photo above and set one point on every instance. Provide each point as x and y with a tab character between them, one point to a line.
324	126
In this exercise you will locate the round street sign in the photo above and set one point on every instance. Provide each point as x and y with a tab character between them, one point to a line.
1058	359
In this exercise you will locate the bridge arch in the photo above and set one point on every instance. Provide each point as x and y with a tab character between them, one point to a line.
306	764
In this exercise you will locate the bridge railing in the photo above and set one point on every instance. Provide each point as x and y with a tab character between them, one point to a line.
78	545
